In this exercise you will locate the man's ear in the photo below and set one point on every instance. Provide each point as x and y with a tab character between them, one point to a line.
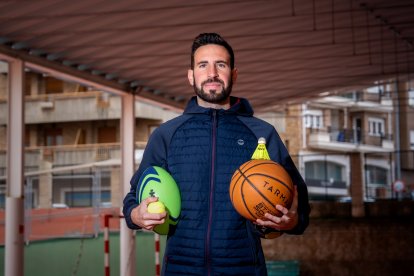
234	74
190	75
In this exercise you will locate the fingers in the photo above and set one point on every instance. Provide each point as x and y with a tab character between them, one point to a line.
279	220
148	200
149	224
287	219
145	220
278	223
282	209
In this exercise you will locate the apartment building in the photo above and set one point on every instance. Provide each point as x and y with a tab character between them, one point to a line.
329	128
406	134
72	141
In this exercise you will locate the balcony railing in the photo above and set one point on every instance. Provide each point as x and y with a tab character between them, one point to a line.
67	155
318	137
358	136
81	106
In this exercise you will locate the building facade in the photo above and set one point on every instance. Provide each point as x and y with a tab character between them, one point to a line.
322	133
72	141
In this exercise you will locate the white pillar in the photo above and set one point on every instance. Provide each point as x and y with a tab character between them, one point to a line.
14	250
127	236
304	140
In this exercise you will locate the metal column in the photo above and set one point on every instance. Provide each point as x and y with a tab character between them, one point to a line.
14	250
397	131
127	236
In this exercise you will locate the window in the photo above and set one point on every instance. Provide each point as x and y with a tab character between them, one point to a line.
2	201
53	137
322	170
356	96
374	89
313	118
411	98
382	89
412	139
376	126
377	175
84	198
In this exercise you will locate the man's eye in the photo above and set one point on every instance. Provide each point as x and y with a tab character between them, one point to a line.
221	65
202	65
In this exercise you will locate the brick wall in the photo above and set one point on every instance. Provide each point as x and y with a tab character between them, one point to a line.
293	134
337	244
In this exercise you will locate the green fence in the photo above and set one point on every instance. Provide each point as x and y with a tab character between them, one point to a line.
283	268
85	257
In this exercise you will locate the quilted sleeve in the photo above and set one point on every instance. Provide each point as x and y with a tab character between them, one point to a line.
154	155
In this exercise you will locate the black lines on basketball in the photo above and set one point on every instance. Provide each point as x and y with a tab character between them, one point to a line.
257	186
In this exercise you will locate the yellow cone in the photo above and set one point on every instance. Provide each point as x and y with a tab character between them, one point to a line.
261	152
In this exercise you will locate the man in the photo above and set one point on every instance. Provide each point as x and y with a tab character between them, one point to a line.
201	149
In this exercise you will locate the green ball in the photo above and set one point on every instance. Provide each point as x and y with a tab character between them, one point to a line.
157	182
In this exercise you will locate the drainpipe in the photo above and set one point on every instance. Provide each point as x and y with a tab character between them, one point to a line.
397	133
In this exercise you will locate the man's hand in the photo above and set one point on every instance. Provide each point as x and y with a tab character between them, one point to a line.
145	220
287	221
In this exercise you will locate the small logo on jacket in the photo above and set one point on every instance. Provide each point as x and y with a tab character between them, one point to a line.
240	142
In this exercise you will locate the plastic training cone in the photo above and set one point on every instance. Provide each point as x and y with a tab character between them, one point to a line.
261	152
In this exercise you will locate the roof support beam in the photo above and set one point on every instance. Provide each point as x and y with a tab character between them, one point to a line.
85	77
63	71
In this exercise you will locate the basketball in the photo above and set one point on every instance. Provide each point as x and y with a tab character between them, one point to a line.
257	186
157	182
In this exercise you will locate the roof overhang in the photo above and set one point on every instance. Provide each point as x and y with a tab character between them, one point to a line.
286	51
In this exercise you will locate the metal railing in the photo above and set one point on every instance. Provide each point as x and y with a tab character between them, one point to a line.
67	155
354	136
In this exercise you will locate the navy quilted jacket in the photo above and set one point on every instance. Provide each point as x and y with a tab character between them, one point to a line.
201	149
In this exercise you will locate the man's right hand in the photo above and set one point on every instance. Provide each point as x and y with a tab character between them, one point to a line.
145	220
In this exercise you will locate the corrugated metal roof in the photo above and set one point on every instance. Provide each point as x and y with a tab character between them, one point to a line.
286	51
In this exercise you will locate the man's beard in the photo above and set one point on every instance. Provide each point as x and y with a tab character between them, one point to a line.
213	96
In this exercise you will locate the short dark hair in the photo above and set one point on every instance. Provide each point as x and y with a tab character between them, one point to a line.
211	38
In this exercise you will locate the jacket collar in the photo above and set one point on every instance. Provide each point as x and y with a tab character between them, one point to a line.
239	106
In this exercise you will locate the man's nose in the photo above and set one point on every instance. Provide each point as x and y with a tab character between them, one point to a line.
212	72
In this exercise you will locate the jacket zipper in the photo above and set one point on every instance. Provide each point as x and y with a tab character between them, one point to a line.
212	180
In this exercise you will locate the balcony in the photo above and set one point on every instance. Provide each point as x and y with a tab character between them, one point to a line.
69	155
349	140
80	106
378	103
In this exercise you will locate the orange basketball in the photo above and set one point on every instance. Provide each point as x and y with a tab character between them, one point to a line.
257	186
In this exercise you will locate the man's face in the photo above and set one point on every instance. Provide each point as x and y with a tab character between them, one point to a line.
212	77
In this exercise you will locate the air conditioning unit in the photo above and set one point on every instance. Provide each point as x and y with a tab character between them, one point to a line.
47	105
